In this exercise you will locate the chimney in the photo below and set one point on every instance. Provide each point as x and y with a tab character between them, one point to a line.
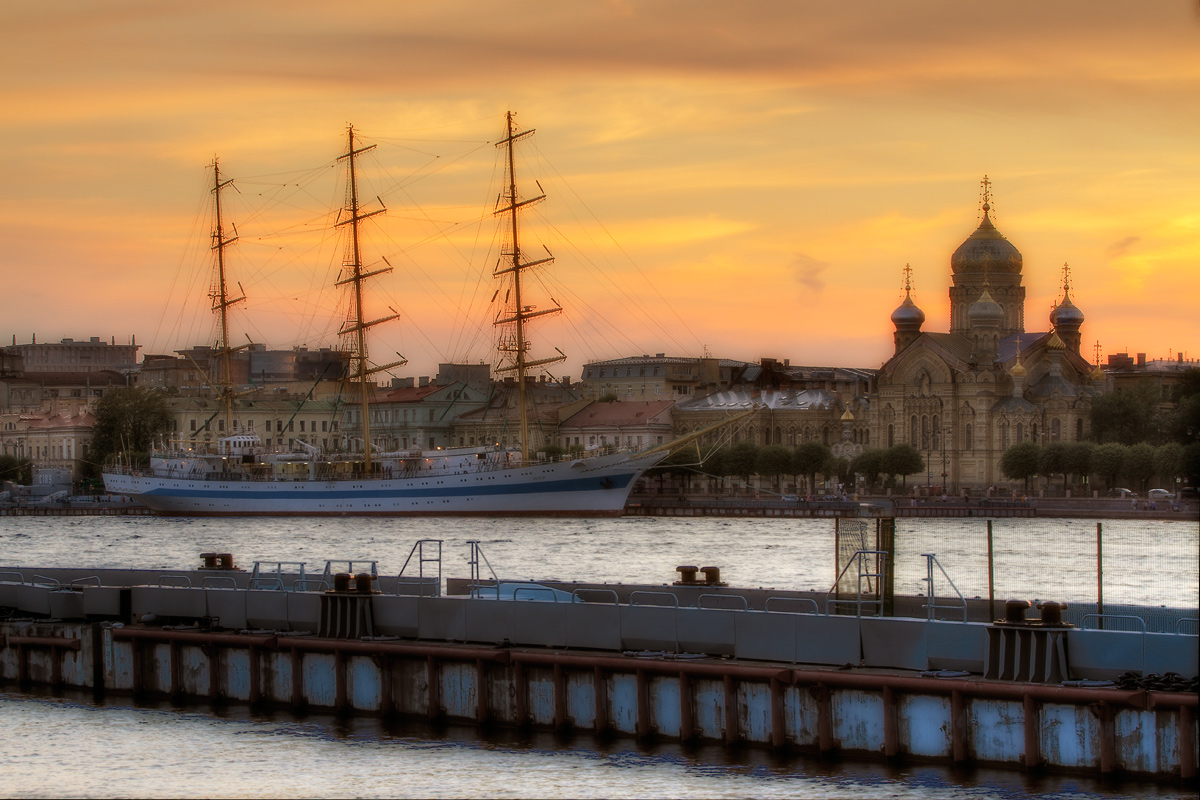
424	380
1141	359
1180	356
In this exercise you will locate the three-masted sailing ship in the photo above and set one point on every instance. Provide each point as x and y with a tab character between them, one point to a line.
244	477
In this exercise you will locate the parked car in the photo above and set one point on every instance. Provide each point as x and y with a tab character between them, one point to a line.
1160	494
1123	493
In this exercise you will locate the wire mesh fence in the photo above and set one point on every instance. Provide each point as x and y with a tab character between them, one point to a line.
1116	568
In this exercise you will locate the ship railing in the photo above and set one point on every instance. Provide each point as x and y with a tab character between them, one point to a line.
476	561
433	557
871	566
269	575
777	600
932	607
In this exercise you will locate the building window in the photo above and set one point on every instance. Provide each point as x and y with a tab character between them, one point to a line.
1055	430
968	441
1004	436
1079	430
193	425
915	438
1020	433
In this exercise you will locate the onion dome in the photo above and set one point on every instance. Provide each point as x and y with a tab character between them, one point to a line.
986	249
847	417
907	315
1055	343
985	311
1066	314
1018	370
1097	374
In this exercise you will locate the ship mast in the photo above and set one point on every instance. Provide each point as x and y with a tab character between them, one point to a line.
221	299
514	344
352	269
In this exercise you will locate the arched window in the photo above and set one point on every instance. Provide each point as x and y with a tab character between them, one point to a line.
1055	430
936	433
916	432
778	436
1033	432
1079	430
924	432
891	436
968	441
1020	433
1003	435
867	435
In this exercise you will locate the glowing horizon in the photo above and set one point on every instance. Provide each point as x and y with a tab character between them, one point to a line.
744	181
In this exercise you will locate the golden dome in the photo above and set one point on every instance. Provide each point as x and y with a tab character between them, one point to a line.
1055	343
847	417
986	249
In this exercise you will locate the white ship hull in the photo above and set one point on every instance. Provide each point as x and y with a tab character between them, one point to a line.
597	486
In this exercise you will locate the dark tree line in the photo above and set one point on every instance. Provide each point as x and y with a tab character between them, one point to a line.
774	462
1138	434
1112	462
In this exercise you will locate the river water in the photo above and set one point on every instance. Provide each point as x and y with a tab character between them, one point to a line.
64	746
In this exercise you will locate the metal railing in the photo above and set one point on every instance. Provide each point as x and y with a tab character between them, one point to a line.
931	561
859	560
418	549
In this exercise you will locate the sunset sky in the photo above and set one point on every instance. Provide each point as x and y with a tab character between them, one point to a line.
746	179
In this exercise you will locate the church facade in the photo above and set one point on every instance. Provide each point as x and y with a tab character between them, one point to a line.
963	397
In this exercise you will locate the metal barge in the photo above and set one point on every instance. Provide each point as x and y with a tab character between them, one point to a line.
693	660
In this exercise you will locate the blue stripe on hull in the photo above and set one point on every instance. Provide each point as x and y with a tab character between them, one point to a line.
319	492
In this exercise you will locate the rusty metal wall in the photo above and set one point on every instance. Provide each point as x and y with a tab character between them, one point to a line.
859	714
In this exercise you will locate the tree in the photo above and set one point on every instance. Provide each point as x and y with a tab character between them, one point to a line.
553	451
868	463
1079	458
1021	462
1168	462
1126	417
841	468
742	459
1055	459
810	458
1191	464
716	464
127	422
1184	424
903	460
1108	461
1139	464
16	469
772	461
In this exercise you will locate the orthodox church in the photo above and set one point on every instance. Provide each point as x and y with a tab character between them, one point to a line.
963	397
